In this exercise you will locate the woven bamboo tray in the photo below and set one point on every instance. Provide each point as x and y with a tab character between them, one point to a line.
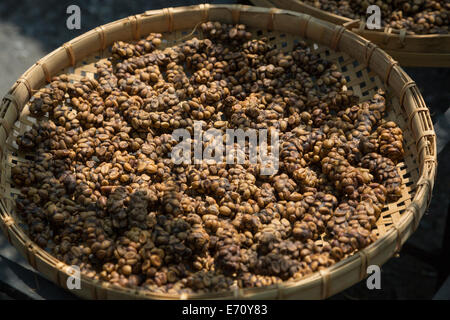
366	68
431	50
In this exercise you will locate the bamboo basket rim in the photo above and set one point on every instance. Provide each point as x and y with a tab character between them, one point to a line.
428	50
318	285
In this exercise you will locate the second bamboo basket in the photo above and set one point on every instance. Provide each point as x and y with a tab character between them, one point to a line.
431	50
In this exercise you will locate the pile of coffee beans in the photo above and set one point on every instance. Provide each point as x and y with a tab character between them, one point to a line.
417	17
103	193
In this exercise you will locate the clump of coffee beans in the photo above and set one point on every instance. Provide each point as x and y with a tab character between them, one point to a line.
417	17
103	193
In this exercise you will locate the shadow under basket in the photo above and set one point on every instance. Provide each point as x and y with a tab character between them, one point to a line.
366	69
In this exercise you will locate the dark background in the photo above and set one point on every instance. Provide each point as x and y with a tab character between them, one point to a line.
31	29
